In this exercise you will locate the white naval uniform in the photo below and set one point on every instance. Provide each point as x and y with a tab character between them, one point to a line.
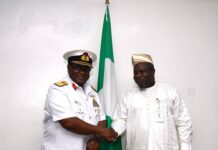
155	119
65	102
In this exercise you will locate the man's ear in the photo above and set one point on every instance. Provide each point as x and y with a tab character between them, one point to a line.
153	71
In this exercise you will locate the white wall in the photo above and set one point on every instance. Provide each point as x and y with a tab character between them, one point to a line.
182	37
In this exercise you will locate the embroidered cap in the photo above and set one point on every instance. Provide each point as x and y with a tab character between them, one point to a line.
80	57
138	58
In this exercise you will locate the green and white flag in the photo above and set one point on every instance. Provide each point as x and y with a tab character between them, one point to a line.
106	79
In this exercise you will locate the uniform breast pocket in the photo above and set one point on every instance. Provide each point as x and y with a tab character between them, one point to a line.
97	113
80	114
78	109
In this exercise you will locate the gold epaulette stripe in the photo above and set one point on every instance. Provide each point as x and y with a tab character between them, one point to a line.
61	83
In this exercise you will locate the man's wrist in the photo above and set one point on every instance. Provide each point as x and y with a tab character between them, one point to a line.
112	130
99	134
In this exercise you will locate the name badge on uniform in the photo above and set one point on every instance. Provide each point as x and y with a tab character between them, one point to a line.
94	102
159	113
95	105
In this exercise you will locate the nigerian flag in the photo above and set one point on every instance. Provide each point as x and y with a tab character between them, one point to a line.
106	79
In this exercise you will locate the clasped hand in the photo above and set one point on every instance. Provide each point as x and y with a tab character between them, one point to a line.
109	134
106	133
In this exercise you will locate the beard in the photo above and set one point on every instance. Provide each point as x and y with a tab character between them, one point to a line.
145	84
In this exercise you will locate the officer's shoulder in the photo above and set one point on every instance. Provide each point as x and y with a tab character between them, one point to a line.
61	83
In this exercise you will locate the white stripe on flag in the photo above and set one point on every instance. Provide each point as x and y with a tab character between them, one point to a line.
108	94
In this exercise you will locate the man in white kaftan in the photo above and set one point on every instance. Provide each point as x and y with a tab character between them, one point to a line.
152	114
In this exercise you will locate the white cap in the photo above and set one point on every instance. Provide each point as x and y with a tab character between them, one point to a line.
78	53
138	58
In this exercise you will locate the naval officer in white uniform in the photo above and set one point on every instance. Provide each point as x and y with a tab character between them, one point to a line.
74	117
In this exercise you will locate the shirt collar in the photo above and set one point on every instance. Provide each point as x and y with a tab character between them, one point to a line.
87	88
148	90
75	86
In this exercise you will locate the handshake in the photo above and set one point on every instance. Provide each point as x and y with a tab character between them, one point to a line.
108	134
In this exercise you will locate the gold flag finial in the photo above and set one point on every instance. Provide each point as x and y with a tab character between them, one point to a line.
107	2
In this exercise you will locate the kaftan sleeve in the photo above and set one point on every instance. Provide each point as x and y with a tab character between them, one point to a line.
120	116
183	123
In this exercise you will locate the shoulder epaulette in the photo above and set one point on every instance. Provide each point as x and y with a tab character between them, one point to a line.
61	83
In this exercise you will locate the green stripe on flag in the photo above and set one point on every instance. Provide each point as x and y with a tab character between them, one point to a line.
111	98
106	48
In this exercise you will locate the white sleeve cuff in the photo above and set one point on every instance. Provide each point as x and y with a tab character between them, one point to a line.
117	130
118	126
185	146
102	117
63	116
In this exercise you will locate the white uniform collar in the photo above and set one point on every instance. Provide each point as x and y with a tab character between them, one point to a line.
87	87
